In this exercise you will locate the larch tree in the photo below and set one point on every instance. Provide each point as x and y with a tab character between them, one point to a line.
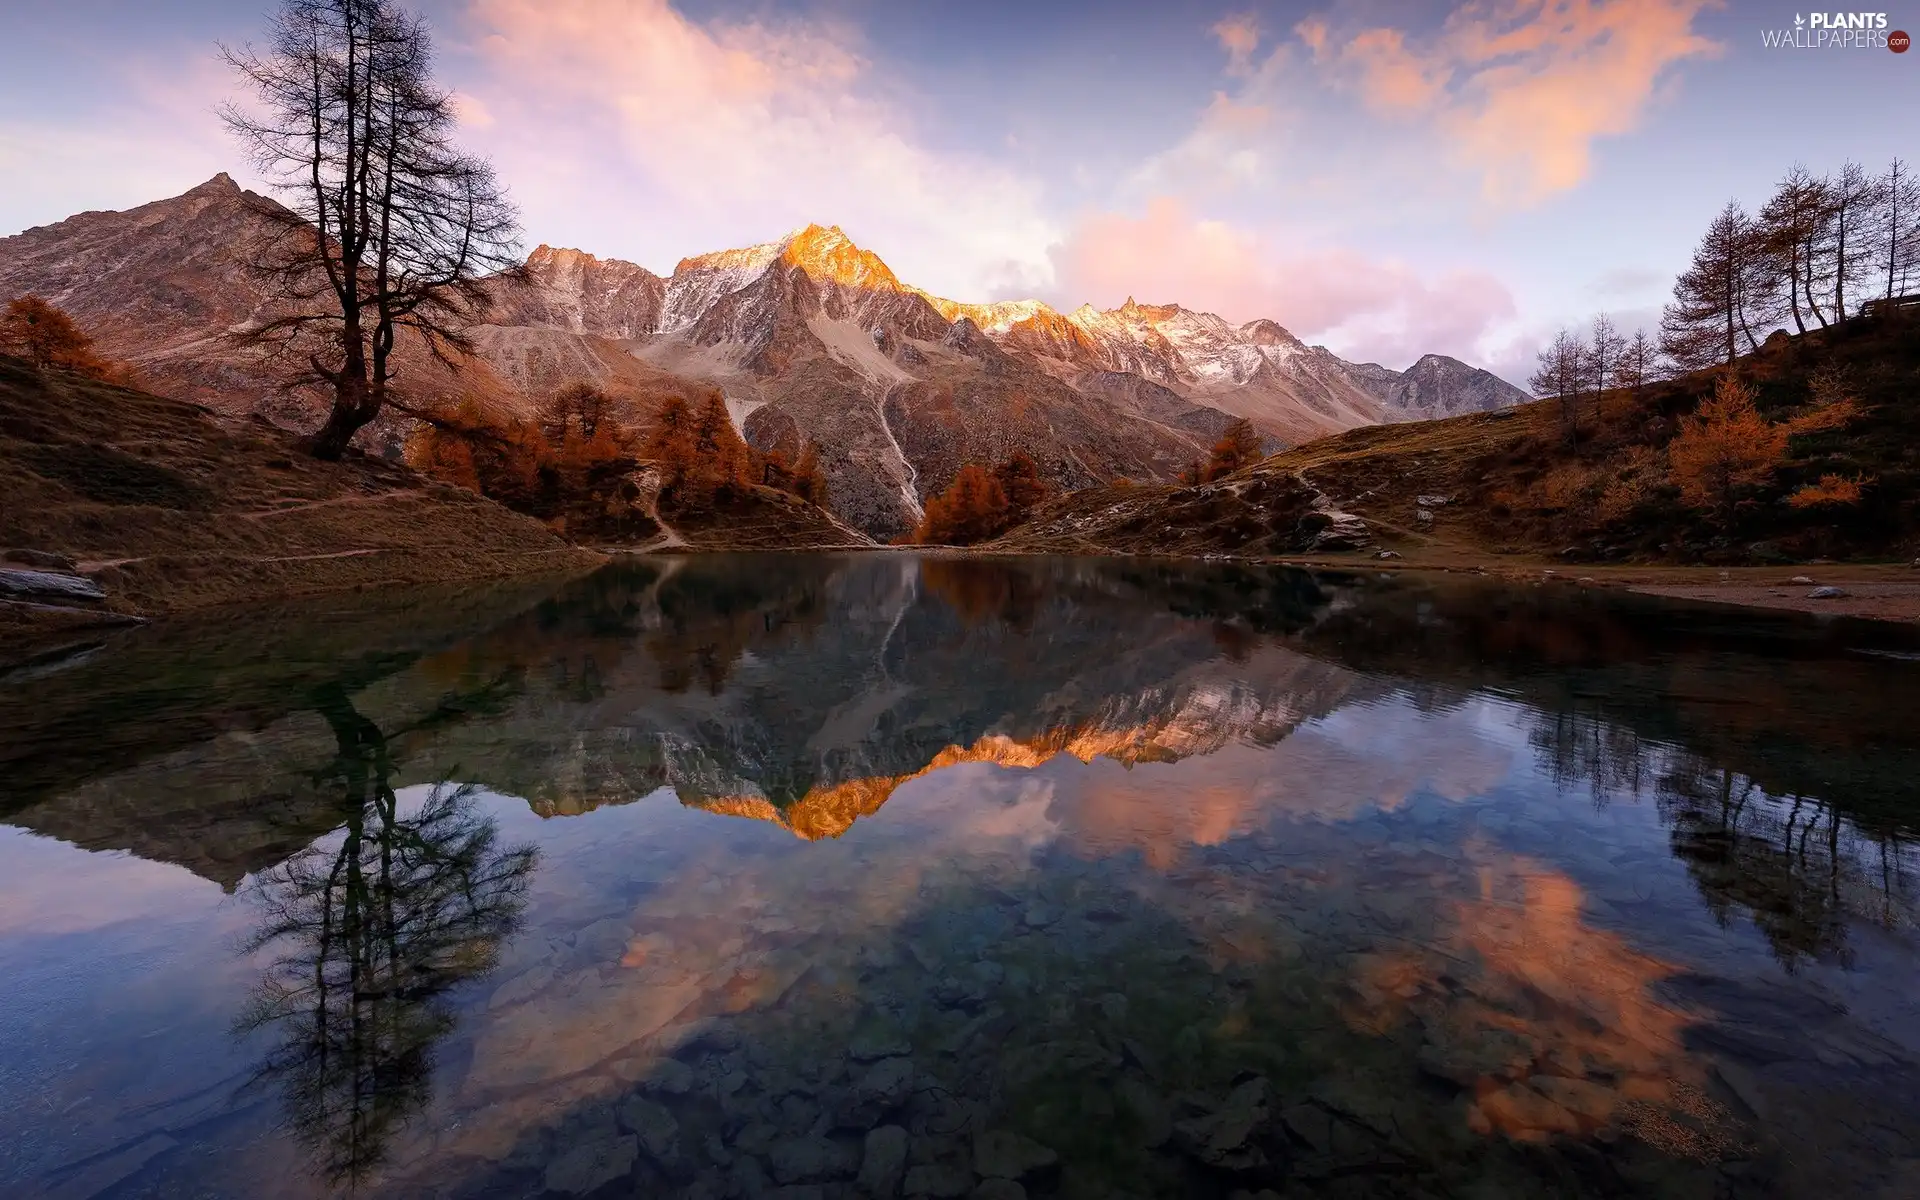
1849	240
720	455
46	336
1703	323
1559	373
1792	225
1019	480
1725	447
388	227
1635	367
972	509
1897	228
1238	447
1604	347
809	478
670	442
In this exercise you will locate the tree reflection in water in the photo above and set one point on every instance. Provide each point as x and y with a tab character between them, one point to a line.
371	930
1796	865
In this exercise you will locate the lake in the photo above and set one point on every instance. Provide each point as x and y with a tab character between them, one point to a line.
822	876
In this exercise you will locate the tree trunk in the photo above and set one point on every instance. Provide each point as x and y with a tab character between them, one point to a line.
1793	287
354	405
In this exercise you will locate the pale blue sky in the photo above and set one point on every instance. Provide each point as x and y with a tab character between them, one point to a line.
1383	177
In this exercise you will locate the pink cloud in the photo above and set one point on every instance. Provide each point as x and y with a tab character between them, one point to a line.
1239	35
629	112
1361	306
1522	88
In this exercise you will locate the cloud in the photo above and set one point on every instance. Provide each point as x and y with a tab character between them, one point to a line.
1521	88
1362	306
150	132
736	132
1228	150
1239	35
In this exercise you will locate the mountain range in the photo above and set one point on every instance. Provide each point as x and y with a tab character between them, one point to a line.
810	338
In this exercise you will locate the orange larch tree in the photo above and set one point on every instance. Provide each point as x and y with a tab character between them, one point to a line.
1725	447
46	336
1238	447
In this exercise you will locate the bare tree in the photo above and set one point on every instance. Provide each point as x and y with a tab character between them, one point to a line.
1560	373
1848	244
1897	227
1792	225
389	227
1635	366
1602	357
1711	299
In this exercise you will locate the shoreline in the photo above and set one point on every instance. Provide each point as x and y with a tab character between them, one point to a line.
1874	591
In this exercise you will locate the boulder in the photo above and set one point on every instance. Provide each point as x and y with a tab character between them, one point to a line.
1343	531
49	586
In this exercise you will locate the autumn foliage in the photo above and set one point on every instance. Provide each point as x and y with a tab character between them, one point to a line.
46	336
1834	491
575	463
1238	447
1727	445
981	504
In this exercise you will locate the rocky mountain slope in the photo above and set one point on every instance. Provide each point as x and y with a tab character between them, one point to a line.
810	338
1438	386
165	286
1480	485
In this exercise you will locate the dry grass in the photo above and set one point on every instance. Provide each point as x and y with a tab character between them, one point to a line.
169	510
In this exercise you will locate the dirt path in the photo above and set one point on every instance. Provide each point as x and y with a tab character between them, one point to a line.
332	502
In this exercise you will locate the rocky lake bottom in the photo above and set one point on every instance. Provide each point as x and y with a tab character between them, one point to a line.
873	876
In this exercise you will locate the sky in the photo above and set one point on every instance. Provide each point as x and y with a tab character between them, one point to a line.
1384	177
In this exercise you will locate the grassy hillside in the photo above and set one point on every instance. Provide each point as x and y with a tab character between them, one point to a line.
1523	481
168	510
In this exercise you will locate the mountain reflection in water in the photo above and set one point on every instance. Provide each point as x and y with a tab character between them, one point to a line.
1060	877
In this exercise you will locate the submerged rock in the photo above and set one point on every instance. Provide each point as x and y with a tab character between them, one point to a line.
658	1132
592	1165
1224	1138
883	1161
